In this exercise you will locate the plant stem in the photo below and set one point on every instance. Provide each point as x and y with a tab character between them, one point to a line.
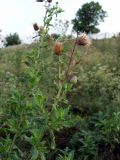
59	72
59	83
71	57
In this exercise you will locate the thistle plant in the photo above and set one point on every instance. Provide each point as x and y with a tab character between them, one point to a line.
43	31
30	120
58	50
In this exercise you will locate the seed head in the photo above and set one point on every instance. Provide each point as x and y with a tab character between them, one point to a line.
58	48
73	79
83	40
49	1
36	27
39	0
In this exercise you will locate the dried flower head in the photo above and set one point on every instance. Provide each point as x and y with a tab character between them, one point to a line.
49	1
73	79
39	0
36	27
83	40
58	48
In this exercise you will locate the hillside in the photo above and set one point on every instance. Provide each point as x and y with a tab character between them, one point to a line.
82	124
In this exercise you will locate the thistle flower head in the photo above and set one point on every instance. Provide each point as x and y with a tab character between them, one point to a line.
36	27
39	0
83	40
58	48
49	1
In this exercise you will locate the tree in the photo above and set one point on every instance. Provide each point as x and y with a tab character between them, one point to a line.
12	39
88	17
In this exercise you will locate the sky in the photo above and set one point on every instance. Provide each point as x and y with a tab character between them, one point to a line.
19	15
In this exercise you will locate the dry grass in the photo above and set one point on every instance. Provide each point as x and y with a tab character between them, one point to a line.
103	52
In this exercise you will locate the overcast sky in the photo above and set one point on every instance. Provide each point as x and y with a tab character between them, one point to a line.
19	15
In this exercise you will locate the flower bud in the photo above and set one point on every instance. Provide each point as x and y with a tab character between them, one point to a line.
49	1
39	0
36	27
58	48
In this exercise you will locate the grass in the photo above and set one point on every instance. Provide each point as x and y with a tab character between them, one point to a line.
12	57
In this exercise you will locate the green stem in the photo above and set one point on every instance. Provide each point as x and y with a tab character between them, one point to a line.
59	83
41	40
57	97
59	72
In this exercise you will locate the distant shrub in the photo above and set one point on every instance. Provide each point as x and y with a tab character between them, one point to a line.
12	39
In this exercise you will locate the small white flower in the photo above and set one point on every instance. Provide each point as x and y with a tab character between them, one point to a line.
74	79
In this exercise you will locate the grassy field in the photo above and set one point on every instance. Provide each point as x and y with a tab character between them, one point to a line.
86	123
